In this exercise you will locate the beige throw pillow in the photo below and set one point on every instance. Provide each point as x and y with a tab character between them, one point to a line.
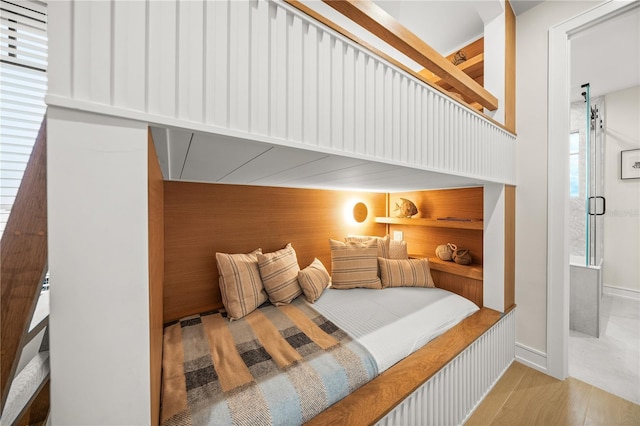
314	279
398	249
354	265
240	284
279	273
383	242
405	273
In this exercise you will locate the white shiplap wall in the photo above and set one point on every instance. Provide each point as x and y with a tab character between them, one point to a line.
261	70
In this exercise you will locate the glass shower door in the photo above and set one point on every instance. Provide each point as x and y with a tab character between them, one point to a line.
587	207
595	202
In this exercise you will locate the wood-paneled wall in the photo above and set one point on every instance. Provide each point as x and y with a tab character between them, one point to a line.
202	219
156	275
510	69
461	203
468	288
509	247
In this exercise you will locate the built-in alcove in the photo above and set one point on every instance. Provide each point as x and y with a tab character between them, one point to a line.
444	216
201	219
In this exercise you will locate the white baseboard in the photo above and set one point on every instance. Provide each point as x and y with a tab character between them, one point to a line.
629	293
531	357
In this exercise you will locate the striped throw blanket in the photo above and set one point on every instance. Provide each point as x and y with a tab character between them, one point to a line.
278	365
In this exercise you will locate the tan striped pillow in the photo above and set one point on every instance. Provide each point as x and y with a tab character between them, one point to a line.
354	265
279	272
398	249
383	242
240	284
314	279
405	273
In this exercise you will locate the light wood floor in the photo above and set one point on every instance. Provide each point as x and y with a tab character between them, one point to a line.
524	396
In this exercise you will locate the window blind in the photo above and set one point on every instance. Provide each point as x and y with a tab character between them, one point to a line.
23	85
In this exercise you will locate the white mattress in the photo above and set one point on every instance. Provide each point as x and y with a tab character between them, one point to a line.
393	322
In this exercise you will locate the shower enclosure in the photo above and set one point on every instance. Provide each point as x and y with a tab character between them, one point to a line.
587	207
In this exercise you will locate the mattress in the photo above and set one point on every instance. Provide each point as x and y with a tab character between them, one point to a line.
394	322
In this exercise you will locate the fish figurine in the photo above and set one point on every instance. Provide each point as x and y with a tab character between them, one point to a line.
406	208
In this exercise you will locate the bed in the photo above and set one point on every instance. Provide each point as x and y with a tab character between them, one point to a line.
290	344
371	331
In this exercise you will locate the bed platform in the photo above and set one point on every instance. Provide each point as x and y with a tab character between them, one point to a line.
440	383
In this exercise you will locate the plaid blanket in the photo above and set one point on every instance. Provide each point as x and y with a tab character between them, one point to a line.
278	365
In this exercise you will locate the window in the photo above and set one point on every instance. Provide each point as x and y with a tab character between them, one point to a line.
574	164
23	77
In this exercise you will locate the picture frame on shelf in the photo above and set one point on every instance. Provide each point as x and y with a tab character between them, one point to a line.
630	164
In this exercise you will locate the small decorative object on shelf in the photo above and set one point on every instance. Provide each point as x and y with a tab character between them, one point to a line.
406	208
462	257
445	251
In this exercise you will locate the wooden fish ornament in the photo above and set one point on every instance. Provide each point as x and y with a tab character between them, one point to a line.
406	208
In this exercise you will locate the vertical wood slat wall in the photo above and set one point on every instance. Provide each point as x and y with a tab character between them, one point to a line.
262	70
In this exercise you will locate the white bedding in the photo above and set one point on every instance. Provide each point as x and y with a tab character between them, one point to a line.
393	322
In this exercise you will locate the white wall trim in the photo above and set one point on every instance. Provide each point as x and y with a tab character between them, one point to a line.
628	293
531	357
558	175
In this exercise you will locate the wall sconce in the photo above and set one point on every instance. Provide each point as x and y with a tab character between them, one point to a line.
360	212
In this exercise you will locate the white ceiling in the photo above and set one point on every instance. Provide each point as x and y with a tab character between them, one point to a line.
607	55
199	157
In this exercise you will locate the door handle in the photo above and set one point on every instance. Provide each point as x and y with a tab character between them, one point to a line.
594	206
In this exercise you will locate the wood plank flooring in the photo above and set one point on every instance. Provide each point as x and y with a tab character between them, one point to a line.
524	396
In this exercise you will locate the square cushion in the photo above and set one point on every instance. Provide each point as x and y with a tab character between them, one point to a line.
405	273
240	283
354	264
398	249
383	242
314	279
279	272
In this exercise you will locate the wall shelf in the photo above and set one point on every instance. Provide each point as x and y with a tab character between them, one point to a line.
470	271
472	224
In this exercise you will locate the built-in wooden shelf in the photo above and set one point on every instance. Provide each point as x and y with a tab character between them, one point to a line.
472	224
470	271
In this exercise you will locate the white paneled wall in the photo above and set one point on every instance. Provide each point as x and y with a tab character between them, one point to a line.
259	69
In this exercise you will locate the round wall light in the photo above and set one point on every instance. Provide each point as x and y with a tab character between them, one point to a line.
360	212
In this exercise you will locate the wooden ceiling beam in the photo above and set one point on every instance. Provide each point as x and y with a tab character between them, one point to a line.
473	67
373	18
